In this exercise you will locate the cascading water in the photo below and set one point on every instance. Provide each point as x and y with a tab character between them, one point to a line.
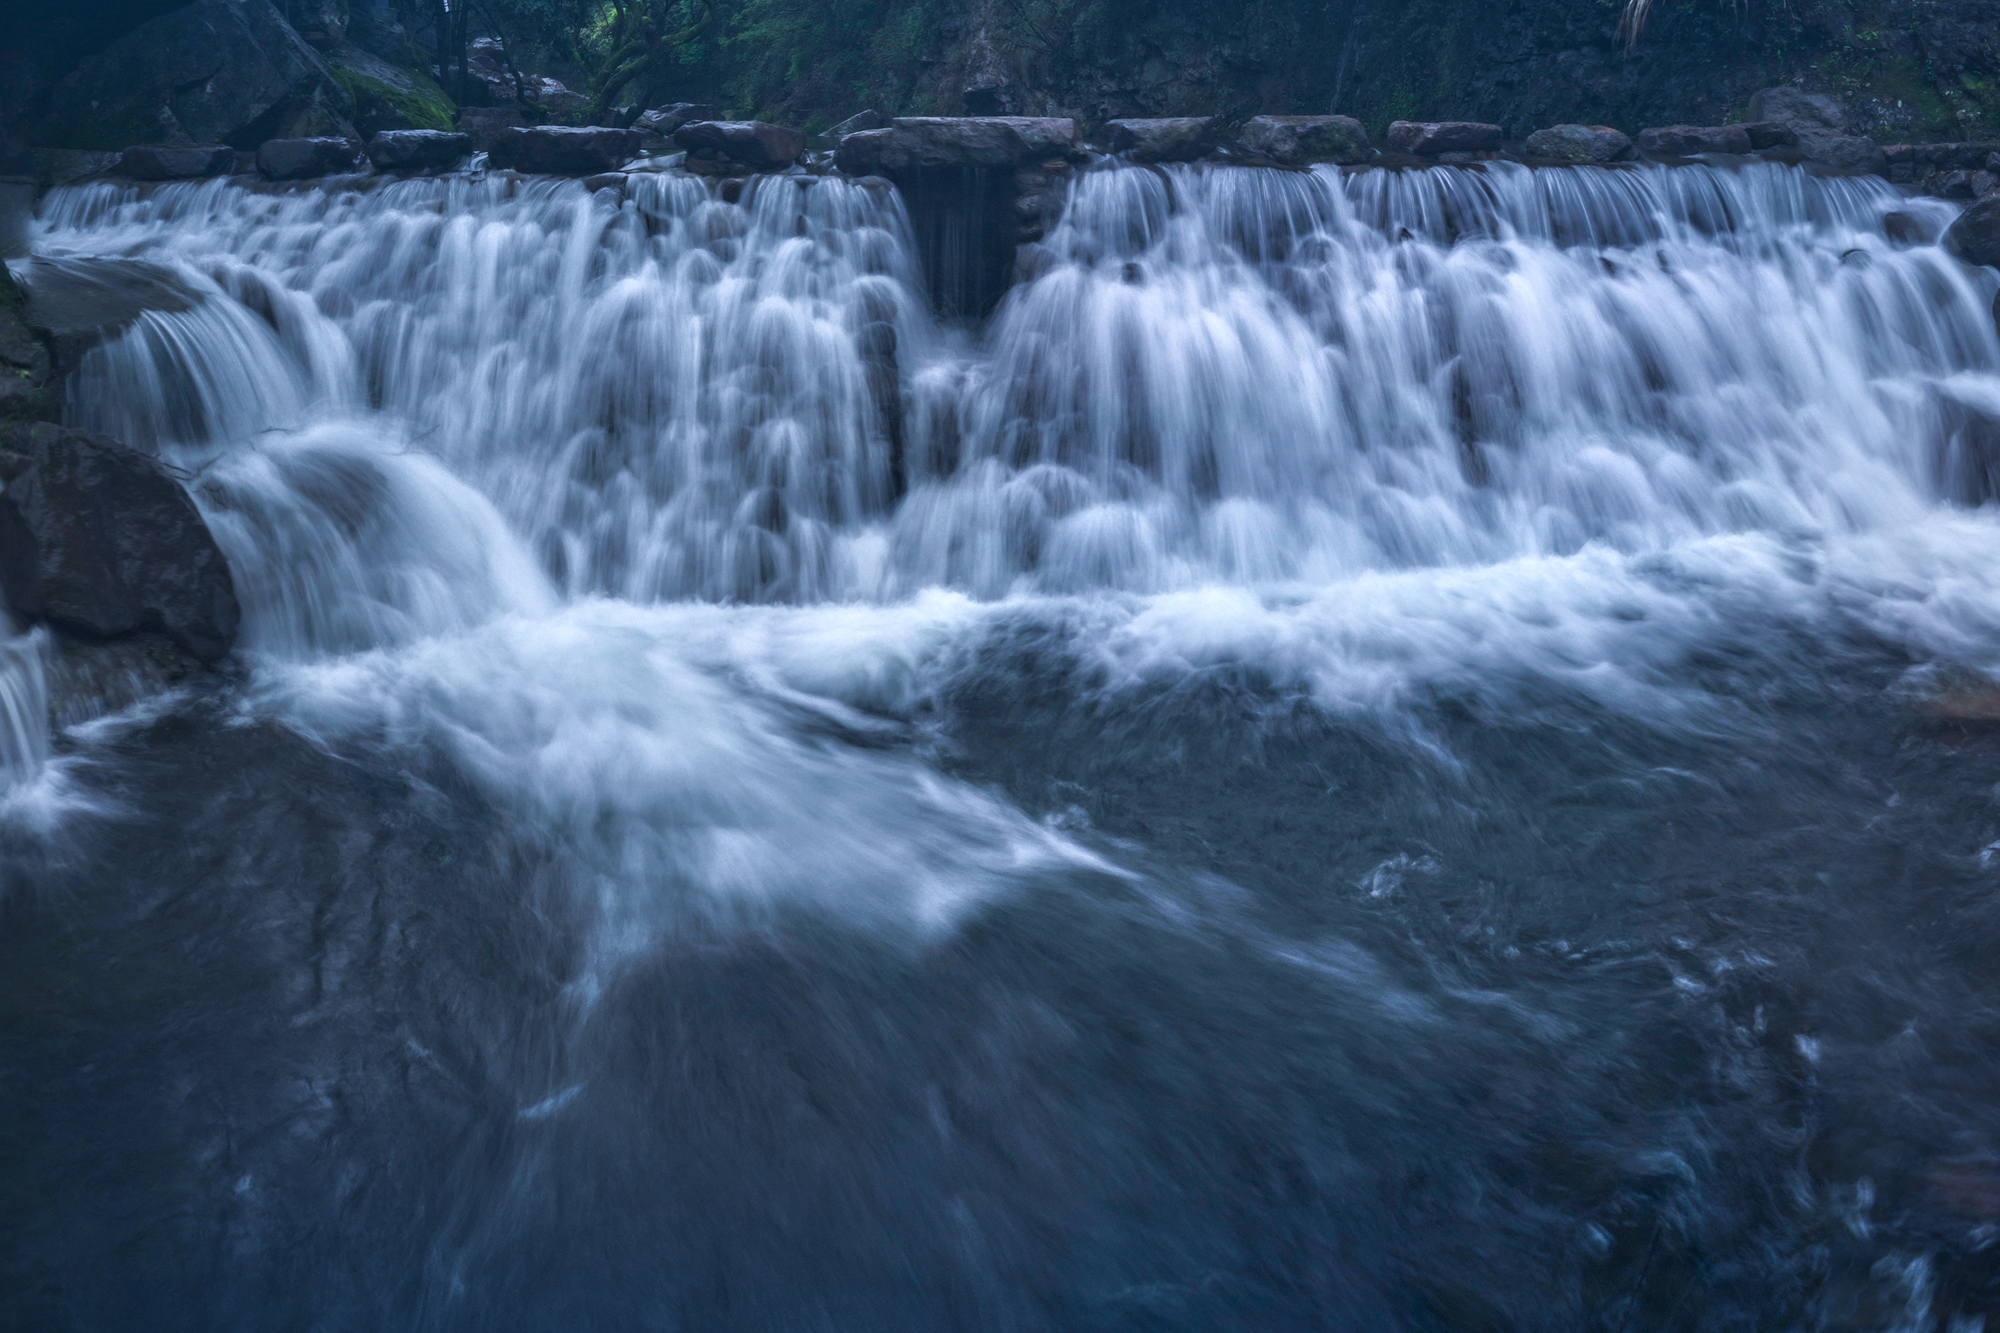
1398	749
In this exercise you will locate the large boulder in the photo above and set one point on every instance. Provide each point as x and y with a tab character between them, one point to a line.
388	96
1579	144
1845	152
1169	139
1975	237
1690	140
1804	112
176	161
418	150
1297	140
564	150
1770	134
97	540
302	159
921	142
216	71
751	145
1428	138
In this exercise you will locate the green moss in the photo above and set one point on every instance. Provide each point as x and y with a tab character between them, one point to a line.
379	105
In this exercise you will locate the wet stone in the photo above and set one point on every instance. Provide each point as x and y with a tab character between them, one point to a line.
169	162
1579	144
1428	138
418	150
564	150
299	159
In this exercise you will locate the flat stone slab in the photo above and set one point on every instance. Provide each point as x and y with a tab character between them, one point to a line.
1428	138
564	150
920	142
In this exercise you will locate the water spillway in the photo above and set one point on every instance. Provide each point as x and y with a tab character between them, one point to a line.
1390	749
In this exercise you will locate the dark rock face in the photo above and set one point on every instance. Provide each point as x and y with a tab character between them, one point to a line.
176	161
927	142
300	159
217	71
1296	140
418	150
563	150
1580	144
752	145
100	542
1688	140
1428	138
1975	237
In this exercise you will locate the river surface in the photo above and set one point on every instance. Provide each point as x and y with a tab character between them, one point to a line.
1403	751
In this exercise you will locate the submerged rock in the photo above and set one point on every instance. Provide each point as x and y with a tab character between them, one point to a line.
300	159
1171	139
1297	140
564	150
1975	237
1689	140
98	541
418	150
176	161
1580	144
753	145
1428	138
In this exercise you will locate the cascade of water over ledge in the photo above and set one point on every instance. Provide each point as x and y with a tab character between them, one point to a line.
1377	749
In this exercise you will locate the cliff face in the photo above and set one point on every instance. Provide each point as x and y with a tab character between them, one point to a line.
1910	69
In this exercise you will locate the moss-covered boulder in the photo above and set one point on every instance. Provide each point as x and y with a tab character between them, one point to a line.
387	96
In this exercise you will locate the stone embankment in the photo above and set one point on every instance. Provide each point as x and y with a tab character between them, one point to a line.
1785	125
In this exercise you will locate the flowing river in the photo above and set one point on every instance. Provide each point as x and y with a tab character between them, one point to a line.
1409	750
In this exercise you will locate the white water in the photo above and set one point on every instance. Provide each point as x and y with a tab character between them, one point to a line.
1374	435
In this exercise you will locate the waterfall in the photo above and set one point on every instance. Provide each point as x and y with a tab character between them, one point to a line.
24	708
1384	749
1218	375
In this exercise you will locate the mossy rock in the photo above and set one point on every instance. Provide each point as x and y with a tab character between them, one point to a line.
389	97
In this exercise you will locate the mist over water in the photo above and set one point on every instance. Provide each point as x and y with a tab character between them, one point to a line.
1399	749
